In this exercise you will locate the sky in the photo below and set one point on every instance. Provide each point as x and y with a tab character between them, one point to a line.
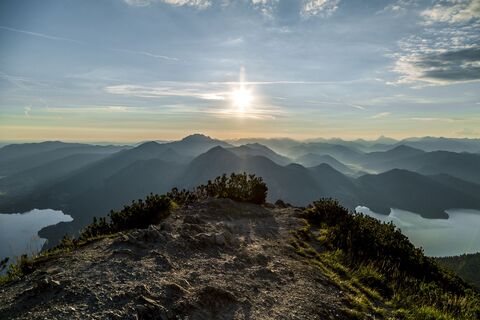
136	70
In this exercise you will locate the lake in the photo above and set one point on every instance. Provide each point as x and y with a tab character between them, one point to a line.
438	237
19	231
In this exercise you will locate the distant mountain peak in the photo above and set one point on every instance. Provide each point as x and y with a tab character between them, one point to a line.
197	137
148	145
404	148
256	145
217	150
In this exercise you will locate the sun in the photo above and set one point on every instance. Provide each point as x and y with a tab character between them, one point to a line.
242	99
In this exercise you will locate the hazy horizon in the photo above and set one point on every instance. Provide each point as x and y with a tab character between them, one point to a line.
166	140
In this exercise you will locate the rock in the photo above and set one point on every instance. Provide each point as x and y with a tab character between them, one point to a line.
47	283
215	298
205	238
220	239
124	251
162	261
149	309
165	226
193	219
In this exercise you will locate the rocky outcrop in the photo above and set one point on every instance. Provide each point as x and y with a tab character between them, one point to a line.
216	259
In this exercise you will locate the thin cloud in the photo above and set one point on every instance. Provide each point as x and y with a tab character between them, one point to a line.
435	119
157	92
323	8
27	111
355	106
148	54
398	7
452	12
201	4
40	35
255	112
380	115
93	109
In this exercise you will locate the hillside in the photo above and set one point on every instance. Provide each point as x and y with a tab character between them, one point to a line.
466	266
222	259
312	160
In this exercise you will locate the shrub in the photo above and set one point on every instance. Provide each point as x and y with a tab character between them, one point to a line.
382	259
140	214
239	187
365	240
3	264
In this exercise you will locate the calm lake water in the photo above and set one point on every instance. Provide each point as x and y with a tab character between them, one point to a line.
18	232
438	237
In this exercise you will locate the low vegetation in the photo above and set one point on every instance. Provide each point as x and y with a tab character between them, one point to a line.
382	272
239	187
466	266
142	213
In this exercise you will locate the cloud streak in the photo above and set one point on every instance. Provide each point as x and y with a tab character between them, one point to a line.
201	4
40	35
380	115
159	92
148	54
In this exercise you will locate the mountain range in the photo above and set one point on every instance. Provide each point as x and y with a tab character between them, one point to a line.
89	180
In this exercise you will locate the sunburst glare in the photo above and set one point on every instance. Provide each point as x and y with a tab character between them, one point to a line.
241	96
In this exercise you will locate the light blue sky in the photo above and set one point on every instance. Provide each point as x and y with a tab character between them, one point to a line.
131	70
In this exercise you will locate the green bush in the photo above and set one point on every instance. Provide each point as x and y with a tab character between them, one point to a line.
3	263
23	265
140	214
239	187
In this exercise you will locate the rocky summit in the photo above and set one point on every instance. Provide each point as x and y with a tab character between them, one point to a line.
214	259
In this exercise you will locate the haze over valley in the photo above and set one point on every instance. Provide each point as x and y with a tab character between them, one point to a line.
86	181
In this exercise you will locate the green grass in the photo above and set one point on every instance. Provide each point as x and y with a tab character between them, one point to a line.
381	272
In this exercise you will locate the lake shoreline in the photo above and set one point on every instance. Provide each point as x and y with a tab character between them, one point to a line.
19	232
460	234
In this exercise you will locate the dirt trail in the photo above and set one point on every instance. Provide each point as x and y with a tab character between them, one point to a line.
216	259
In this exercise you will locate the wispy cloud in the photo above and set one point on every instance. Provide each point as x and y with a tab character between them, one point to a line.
380	115
40	35
256	113
452	11
147	54
27	111
398	7
436	119
157	92
323	8
93	109
306	8
340	103
16	81
201	4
